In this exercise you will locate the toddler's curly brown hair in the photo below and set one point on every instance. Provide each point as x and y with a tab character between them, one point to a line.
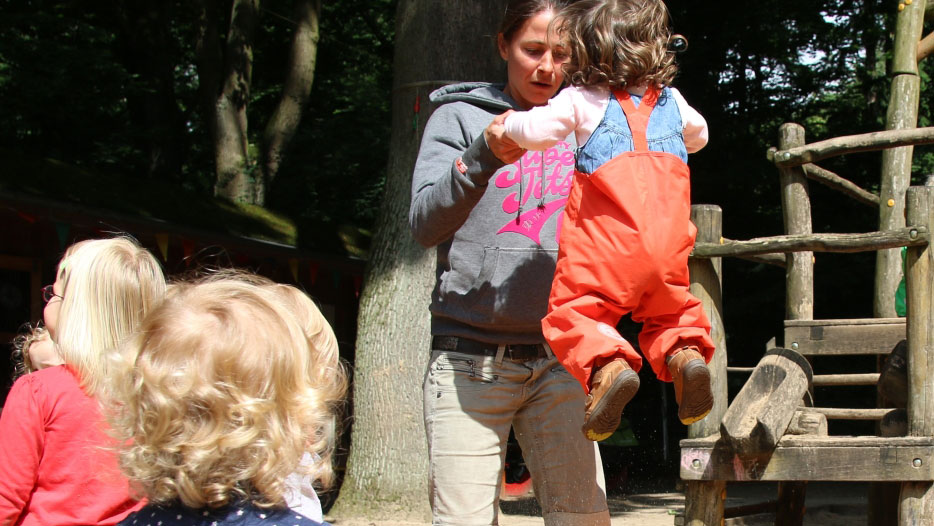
618	43
21	343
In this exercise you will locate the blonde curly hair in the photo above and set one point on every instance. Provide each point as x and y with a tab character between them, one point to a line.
617	43
221	397
327	373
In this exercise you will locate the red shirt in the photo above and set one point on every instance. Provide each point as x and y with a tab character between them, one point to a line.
55	467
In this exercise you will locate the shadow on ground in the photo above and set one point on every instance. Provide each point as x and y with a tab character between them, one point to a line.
827	504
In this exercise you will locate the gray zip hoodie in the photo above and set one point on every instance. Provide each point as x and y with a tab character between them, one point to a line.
494	227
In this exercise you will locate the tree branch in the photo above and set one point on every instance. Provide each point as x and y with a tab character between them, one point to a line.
295	91
880	140
832	180
858	242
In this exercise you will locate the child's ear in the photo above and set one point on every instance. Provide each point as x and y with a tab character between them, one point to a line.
501	44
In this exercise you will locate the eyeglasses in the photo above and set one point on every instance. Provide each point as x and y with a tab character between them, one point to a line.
48	293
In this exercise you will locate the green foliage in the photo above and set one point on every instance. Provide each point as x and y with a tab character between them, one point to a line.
163	201
76	79
59	84
113	88
336	166
749	69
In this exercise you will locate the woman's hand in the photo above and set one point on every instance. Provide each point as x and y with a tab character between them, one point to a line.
504	148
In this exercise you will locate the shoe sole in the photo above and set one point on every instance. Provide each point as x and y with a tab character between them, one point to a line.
696	381
605	417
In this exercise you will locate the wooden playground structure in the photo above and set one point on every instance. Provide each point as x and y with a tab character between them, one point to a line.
774	429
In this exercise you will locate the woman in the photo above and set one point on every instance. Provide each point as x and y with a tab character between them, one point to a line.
492	211
54	451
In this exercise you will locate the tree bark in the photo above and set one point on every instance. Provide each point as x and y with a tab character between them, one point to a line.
896	162
236	180
386	473
144	46
864	142
841	243
210	63
284	121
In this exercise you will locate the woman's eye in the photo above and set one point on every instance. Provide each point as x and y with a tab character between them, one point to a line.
561	56
533	52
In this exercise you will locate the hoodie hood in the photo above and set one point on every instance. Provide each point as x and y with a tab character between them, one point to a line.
483	94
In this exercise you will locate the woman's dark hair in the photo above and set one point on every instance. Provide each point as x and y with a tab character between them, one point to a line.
519	11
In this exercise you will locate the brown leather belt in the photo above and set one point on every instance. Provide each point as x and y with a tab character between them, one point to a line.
514	351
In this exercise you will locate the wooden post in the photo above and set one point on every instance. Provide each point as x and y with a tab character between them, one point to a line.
706	285
896	162
916	506
916	501
703	501
790	508
896	176
799	289
920	321
796	208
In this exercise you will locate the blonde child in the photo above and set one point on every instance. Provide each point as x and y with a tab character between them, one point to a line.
627	233
221	398
327	373
55	466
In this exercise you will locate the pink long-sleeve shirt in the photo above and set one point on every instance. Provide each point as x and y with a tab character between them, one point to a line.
580	109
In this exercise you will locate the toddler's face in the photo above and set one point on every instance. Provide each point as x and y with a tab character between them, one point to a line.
42	353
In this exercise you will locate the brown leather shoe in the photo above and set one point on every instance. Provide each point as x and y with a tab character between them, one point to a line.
611	388
692	384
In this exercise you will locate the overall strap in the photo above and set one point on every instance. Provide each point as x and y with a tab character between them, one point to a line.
638	118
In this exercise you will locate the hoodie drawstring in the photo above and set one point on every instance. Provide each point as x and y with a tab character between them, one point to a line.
541	189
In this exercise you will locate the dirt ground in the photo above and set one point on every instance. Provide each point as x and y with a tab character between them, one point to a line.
827	504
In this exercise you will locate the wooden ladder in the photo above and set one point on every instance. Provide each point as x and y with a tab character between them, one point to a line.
708	461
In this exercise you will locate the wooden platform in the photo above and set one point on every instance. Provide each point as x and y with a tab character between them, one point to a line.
802	458
844	336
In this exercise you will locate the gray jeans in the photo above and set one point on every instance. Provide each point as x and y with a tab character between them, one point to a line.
470	403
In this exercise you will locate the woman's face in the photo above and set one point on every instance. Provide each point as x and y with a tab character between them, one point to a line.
53	307
533	61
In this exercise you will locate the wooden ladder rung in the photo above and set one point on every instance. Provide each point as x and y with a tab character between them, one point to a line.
837	458
840	413
845	379
826	380
844	336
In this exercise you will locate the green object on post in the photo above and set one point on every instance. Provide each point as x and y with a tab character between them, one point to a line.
900	308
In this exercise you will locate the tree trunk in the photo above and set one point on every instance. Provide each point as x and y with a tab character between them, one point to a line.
233	165
896	162
145	48
284	121
386	474
210	63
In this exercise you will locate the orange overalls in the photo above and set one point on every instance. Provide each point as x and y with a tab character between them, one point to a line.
624	247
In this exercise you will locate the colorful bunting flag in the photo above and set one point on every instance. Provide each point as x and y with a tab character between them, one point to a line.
163	241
